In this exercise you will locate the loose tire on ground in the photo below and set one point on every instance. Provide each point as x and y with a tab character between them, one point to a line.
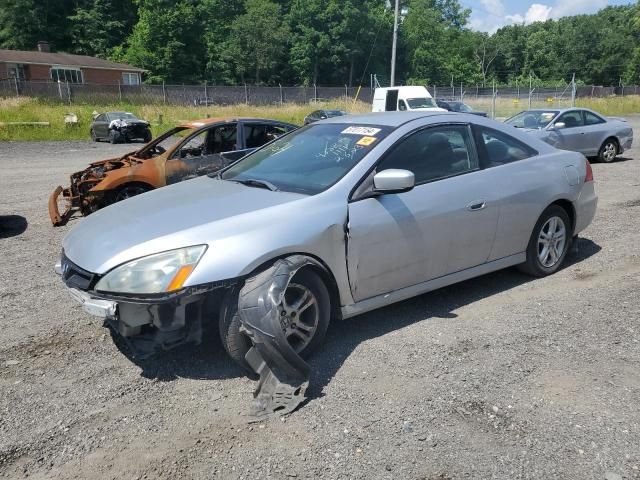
237	344
535	264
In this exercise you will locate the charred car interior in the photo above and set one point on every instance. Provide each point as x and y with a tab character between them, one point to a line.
189	150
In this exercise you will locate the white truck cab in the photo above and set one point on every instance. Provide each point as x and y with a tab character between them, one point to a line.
409	98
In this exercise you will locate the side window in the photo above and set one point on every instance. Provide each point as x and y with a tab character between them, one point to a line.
501	148
193	147
257	134
223	139
101	118
571	119
402	105
434	153
592	119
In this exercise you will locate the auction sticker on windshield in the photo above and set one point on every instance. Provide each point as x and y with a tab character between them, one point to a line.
368	131
366	141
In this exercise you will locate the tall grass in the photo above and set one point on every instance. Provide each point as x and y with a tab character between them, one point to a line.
162	117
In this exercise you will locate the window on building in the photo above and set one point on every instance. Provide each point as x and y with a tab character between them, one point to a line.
130	78
66	74
16	71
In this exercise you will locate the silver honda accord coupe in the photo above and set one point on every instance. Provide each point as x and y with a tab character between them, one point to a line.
330	221
578	129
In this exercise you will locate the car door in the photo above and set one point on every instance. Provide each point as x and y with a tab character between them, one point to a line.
443	225
520	177
571	137
202	153
595	133
100	126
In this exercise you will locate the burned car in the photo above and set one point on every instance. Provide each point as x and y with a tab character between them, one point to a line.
186	151
119	127
335	219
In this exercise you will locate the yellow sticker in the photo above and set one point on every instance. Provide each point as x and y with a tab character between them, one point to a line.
366	141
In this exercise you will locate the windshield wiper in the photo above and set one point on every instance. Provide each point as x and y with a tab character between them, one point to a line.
252	182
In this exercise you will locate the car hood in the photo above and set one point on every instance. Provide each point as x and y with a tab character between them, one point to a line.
189	213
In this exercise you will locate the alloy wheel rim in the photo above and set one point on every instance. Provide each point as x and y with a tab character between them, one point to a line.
299	316
609	151
551	242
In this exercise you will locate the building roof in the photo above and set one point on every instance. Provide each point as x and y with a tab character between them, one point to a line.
67	59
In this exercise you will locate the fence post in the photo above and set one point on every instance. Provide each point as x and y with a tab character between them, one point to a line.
315	93
206	97
281	94
164	94
573	90
60	91
246	94
17	88
68	93
435	94
461	93
119	91
530	90
493	102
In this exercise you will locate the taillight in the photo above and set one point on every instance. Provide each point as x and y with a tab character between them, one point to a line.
589	176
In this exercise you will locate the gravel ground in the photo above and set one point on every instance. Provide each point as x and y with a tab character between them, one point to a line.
499	377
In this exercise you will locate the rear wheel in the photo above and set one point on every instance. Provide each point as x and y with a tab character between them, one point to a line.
549	243
608	151
115	137
131	190
305	314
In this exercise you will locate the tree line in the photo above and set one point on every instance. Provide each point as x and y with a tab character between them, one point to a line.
327	42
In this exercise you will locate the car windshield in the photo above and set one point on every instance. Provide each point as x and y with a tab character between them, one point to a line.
535	119
420	103
308	160
461	107
124	116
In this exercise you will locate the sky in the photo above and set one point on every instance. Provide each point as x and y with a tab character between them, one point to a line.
489	15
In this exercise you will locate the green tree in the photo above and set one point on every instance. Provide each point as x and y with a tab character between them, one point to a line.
258	41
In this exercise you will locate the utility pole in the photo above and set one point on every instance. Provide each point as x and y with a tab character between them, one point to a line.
395	44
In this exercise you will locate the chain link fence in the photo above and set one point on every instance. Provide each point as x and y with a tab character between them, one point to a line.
177	94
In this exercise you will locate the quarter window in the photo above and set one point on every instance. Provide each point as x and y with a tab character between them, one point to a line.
501	148
592	119
434	153
256	135
66	74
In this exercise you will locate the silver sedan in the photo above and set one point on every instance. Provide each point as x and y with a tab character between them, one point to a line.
577	129
330	221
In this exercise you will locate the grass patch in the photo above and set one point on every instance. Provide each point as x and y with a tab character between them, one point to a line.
23	109
34	110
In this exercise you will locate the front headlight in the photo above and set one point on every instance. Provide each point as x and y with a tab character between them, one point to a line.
163	272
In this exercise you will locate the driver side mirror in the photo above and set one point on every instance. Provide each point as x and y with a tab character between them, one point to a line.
393	181
559	125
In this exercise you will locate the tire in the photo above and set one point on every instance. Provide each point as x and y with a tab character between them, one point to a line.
130	190
115	137
237	344
608	150
93	135
148	136
541	263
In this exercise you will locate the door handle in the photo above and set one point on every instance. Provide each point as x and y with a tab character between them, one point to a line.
477	205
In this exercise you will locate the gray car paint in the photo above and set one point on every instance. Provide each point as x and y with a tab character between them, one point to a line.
586	139
399	245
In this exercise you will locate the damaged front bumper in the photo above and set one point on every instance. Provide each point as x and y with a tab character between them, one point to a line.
148	325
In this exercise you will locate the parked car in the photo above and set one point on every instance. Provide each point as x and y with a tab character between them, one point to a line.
339	218
458	106
186	151
322	114
578	129
407	98
119	127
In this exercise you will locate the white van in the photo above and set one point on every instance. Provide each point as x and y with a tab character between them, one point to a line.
409	98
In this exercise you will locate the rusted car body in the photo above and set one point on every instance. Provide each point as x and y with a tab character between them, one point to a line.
187	151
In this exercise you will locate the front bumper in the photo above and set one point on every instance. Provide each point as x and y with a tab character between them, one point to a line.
150	324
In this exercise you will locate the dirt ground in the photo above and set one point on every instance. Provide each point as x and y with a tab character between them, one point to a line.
500	377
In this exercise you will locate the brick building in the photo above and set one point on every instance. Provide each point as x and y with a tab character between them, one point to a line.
44	65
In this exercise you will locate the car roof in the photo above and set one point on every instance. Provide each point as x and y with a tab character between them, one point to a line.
390	119
210	121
